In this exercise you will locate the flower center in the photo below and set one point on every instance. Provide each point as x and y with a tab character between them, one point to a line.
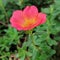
28	22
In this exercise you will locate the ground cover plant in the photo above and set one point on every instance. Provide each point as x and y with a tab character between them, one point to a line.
29	29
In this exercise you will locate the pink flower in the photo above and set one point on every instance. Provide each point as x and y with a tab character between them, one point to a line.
27	19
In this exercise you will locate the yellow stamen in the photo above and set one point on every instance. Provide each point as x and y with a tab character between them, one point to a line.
28	22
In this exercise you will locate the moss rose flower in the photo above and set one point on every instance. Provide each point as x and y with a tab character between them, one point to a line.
27	19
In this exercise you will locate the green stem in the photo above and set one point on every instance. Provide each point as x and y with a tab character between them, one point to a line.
2	6
2	56
32	40
48	28
20	3
49	22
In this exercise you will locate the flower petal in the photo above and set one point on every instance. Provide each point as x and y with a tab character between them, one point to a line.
41	19
14	24
18	16
17	19
30	12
